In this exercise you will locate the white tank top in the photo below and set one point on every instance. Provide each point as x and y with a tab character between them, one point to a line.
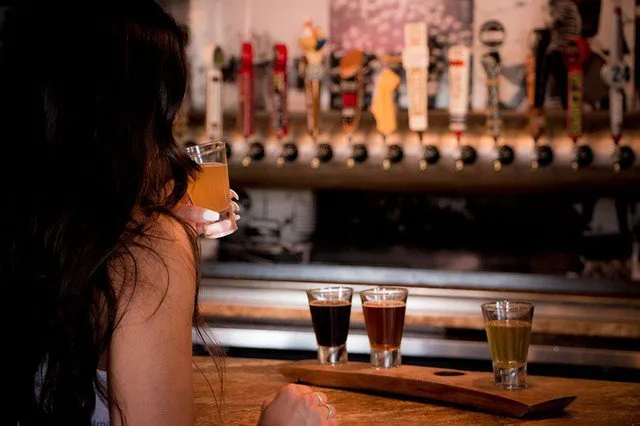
100	413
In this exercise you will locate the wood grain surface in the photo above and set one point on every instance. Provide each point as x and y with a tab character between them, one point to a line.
465	388
250	381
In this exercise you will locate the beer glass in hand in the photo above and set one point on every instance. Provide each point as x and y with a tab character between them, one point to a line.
330	313
508	326
210	189
384	312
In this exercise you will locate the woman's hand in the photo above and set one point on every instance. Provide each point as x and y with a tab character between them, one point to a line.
205	221
298	405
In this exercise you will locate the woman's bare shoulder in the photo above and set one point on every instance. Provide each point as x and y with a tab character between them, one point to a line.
155	267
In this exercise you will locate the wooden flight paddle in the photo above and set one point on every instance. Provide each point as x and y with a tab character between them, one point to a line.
465	388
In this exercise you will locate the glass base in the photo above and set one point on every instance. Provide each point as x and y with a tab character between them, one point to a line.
332	354
389	358
221	234
510	378
228	215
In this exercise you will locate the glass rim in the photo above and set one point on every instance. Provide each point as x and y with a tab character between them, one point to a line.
508	305
330	289
205	148
386	290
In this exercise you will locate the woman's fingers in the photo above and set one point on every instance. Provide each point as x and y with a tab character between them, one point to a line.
218	229
233	194
235	207
315	398
191	213
299	389
298	404
328	410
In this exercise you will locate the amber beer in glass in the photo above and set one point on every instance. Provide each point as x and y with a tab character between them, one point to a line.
384	312
508	326
330	313
210	189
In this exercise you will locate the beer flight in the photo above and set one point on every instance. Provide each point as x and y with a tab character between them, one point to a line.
507	323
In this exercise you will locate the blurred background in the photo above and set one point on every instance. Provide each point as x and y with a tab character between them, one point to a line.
459	218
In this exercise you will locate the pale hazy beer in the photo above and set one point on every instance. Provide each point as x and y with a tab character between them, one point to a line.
210	187
508	325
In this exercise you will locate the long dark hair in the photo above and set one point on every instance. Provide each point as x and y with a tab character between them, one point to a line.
89	92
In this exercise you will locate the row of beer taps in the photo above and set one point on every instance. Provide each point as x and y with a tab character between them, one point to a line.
415	61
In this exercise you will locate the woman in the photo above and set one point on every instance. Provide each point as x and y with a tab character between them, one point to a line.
98	267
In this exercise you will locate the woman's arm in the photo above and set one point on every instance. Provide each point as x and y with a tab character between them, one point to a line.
150	355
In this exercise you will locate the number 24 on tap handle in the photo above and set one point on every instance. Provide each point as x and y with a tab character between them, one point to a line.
617	74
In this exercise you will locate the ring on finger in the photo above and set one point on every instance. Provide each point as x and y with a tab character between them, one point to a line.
322	398
330	410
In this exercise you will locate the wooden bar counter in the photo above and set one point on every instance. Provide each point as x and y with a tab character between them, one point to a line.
250	381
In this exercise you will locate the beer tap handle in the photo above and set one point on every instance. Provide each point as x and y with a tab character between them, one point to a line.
617	74
351	88
459	75
214	87
576	51
491	64
312	43
384	111
245	91
537	83
279	87
492	34
383	105
415	60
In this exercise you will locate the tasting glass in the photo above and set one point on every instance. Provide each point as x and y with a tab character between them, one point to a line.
384	312
508	326
330	313
210	189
